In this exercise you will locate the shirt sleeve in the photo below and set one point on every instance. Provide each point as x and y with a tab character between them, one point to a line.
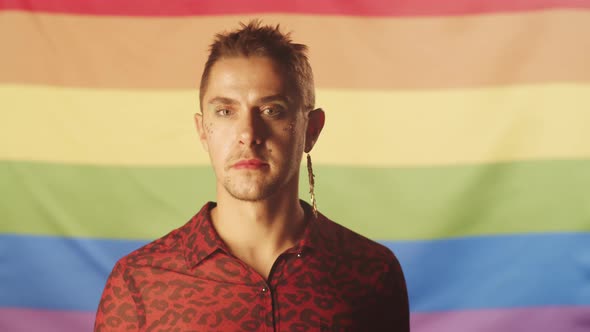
117	310
393	309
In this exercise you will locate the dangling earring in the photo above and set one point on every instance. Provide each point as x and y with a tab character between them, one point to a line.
311	186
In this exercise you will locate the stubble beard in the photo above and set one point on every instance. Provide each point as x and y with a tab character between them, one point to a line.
251	188
258	185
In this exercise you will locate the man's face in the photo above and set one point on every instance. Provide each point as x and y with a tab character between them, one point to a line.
252	128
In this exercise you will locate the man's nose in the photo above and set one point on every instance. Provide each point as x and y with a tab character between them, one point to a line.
251	128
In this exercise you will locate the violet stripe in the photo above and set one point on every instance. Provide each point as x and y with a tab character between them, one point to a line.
30	320
539	319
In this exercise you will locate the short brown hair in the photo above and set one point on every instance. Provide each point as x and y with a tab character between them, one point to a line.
255	39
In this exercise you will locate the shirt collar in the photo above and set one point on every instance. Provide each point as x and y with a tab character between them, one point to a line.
201	239
311	234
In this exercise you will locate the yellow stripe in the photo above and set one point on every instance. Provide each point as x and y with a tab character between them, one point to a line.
370	128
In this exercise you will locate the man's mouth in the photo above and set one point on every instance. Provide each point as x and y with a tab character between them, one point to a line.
250	164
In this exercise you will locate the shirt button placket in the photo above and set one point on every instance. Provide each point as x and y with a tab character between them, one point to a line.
266	294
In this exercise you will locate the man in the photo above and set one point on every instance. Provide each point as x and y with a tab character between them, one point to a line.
259	259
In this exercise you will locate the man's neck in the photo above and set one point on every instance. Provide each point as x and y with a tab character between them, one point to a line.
258	232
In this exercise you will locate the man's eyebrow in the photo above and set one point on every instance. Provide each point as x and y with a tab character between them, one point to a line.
277	97
222	100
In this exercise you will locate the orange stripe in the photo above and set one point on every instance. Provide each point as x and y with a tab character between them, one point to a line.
357	53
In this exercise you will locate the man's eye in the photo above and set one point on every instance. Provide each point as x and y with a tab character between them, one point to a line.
270	111
223	112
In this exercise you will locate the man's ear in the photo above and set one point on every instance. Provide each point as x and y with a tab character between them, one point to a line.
201	131
315	124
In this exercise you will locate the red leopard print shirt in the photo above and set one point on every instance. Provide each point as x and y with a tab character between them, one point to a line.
332	280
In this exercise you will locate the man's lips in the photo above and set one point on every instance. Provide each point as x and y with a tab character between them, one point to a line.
249	164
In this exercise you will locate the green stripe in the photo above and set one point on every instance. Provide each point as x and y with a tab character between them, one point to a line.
384	204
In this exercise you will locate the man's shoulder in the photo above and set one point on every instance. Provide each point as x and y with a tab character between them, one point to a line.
343	241
167	248
172	250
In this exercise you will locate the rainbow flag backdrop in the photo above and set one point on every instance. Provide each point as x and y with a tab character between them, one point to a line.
461	127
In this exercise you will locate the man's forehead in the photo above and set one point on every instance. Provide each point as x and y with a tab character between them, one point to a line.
258	77
246	71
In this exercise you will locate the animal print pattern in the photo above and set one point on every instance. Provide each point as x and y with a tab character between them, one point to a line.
332	280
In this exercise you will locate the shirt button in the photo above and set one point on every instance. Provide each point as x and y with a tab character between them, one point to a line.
299	255
264	289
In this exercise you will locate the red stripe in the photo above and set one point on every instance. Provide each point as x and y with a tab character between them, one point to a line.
319	7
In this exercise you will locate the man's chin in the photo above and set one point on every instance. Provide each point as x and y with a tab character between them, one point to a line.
249	196
251	192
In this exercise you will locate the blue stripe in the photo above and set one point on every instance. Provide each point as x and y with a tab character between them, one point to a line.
452	274
496	271
57	273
